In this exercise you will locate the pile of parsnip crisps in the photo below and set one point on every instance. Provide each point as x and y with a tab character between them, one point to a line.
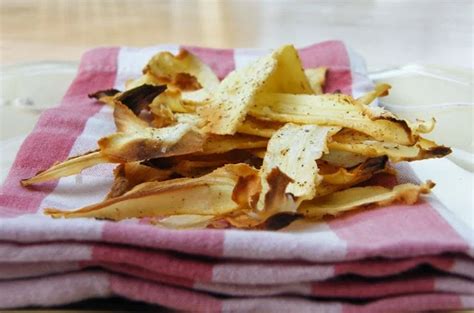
258	149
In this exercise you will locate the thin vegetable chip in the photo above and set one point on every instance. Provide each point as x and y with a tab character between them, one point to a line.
257	150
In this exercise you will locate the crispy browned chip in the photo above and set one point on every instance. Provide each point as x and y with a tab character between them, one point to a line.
262	128
151	143
230	102
104	95
184	71
207	195
258	150
248	188
172	99
294	149
73	165
280	71
330	110
125	120
358	197
136	141
276	200
365	170
343	178
195	165
423	149
128	175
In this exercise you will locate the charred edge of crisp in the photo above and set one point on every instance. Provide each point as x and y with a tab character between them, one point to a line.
136	99
160	163
103	93
120	184
146	149
277	182
246	191
385	93
433	152
439	151
280	220
182	54
186	82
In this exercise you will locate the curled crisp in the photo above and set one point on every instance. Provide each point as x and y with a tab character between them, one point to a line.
358	197
170	197
293	150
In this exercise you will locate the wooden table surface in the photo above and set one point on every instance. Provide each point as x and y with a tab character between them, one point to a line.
387	33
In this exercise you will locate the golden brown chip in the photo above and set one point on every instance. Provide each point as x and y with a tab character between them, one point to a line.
171	99
358	197
259	149
293	149
256	127
151	143
248	187
230	102
280	71
276	199
424	149
207	195
162	115
289	76
125	120
343	179
347	176
135	141
184	71
330	110
128	175
73	165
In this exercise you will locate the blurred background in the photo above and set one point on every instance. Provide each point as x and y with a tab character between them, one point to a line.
387	32
423	48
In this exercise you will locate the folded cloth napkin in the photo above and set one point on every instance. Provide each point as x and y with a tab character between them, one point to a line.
396	258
